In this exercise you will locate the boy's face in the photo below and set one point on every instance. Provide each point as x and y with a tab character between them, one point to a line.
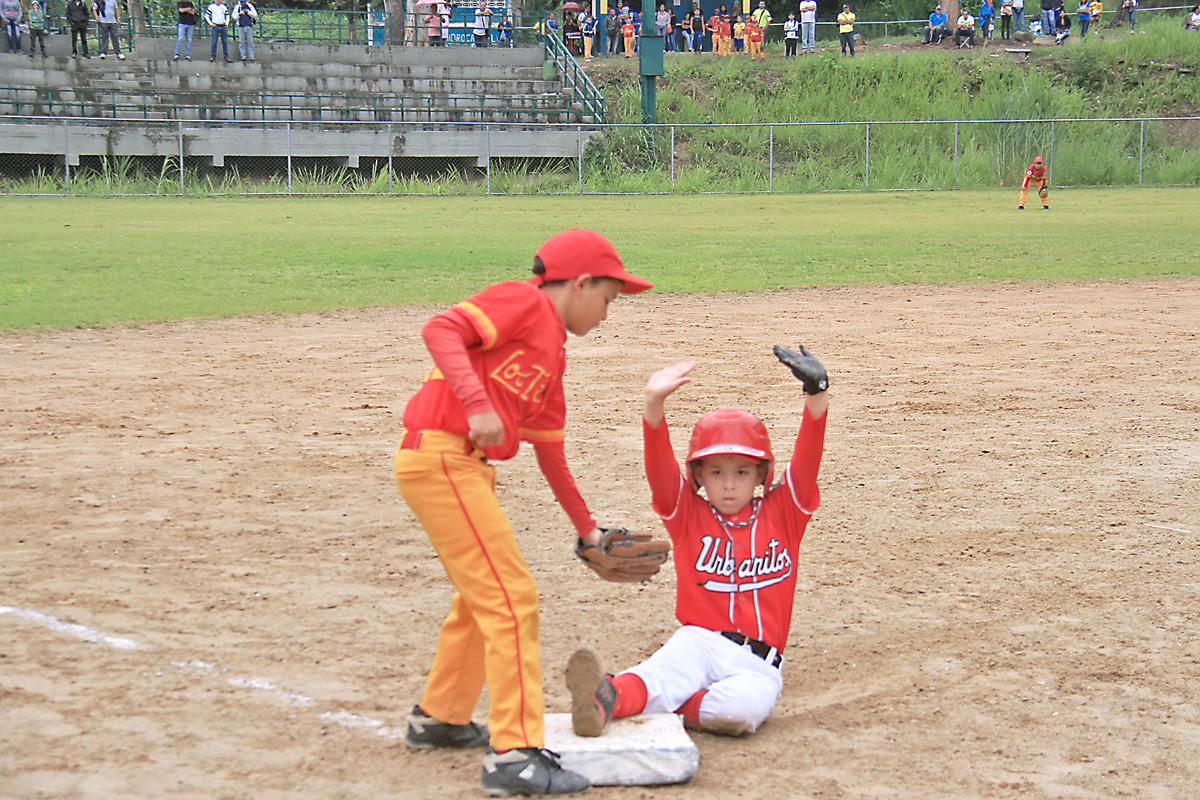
588	304
729	481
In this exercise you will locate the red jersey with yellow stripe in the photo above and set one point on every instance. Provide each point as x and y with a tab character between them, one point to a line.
519	357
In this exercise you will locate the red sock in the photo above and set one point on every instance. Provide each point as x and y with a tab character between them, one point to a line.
631	695
691	710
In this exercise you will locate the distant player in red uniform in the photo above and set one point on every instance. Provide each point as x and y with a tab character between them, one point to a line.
498	361
735	559
1035	174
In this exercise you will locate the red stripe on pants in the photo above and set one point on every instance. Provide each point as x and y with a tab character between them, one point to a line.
491	631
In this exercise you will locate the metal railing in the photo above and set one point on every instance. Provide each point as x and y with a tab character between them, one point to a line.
573	76
256	106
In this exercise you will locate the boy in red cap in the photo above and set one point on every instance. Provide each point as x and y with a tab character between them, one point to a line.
498	360
735	562
1035	174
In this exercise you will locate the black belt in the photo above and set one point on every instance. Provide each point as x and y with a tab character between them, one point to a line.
760	649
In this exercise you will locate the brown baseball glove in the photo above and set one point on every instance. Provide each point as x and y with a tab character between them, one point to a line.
1043	192
624	557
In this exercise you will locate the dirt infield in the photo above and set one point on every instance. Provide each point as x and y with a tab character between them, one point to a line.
997	597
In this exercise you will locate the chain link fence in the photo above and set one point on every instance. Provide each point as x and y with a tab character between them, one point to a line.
60	156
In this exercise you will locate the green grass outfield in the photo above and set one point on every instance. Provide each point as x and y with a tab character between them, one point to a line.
78	262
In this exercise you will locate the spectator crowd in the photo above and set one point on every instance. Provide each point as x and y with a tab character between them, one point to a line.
617	32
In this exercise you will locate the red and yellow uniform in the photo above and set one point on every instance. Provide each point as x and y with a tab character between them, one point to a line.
514	340
628	32
499	359
754	38
725	38
1036	174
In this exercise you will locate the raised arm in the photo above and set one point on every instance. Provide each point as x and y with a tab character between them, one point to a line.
810	441
662	385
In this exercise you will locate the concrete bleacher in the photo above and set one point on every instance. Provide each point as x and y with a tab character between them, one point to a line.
403	101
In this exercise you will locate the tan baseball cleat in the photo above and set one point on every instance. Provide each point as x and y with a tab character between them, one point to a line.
592	693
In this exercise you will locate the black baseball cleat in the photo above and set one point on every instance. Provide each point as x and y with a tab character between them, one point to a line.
592	693
425	731
1020	208
530	771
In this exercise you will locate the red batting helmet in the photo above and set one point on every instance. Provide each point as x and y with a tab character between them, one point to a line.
730	431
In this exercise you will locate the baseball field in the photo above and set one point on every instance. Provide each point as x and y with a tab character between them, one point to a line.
209	587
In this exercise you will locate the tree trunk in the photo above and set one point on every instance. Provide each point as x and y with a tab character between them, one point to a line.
397	21
139	17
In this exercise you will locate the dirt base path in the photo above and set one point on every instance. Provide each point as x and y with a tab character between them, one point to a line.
997	597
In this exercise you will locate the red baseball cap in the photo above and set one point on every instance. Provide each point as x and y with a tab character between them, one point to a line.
582	252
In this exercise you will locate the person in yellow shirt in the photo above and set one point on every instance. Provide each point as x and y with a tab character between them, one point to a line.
1097	9
846	29
739	35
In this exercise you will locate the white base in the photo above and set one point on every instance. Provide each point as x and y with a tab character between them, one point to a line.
643	750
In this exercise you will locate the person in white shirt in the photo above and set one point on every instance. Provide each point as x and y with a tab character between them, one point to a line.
808	26
217	17
791	35
483	24
244	17
965	29
108	20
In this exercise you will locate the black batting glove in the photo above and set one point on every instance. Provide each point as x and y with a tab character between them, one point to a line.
805	367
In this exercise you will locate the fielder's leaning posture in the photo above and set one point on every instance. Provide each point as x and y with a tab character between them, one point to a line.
1035	174
735	559
498	360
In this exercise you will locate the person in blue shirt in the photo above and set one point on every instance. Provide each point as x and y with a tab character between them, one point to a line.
935	31
987	10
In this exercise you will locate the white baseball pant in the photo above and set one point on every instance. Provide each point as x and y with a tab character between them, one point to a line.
742	688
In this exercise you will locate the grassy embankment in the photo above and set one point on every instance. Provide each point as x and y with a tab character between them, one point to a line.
1110	74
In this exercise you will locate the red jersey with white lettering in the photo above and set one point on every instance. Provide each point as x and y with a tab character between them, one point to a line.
737	574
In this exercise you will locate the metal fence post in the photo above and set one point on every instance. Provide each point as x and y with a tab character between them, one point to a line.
771	161
1142	152
66	157
180	124
956	155
487	136
391	149
868	175
579	146
1050	177
288	125
672	158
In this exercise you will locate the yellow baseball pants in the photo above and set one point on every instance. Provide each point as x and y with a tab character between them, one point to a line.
756	49
491	632
1025	196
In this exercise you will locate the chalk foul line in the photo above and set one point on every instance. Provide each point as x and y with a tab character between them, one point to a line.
343	718
78	631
